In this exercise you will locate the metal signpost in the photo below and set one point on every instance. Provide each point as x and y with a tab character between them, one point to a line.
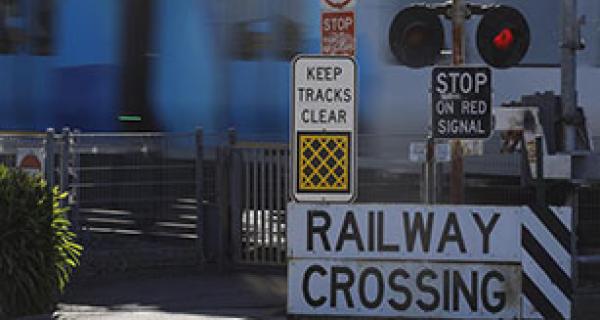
323	129
458	58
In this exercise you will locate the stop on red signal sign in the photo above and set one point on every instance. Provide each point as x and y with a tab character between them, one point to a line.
338	33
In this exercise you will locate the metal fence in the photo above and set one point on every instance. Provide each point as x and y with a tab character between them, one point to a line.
135	194
259	193
135	183
157	198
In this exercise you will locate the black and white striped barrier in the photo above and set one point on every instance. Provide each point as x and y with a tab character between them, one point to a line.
547	262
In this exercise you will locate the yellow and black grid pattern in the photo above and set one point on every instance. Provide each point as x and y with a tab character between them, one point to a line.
323	162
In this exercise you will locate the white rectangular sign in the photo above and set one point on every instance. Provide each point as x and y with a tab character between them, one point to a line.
418	152
324	93
406	232
323	129
403	289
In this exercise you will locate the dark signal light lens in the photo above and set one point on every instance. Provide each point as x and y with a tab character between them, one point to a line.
416	37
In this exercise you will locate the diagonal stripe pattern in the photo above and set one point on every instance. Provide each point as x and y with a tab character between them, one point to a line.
546	258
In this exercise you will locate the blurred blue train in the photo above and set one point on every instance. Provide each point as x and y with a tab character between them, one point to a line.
177	65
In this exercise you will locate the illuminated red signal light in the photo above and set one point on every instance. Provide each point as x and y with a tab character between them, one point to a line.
504	39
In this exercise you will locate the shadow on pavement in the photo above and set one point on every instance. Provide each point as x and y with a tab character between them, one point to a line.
176	293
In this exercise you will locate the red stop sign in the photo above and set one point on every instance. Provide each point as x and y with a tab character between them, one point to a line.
338	33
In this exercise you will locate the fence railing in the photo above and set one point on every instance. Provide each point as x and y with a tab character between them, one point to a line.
174	190
259	186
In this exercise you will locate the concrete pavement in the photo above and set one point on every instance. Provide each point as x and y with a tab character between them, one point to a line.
178	294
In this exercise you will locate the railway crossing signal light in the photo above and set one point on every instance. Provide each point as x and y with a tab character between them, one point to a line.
503	37
416	37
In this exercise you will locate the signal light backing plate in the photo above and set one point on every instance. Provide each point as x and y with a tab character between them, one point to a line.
416	37
492	26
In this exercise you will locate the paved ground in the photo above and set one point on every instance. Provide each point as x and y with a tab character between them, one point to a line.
178	295
192	294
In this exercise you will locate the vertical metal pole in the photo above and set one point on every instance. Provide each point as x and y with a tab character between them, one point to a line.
271	203
286	191
458	26
223	165
236	190
49	169
263	205
576	207
64	163
570	44
278	207
430	183
246	222
539	168
231	137
458	58
232	227
199	181
255	205
76	173
423	182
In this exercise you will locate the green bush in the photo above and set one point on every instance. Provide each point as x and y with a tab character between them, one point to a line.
37	249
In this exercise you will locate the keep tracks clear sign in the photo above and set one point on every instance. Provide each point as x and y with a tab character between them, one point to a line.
323	128
389	260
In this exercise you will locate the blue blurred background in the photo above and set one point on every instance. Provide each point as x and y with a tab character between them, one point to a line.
182	64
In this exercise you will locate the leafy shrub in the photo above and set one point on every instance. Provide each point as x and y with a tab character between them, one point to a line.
37	250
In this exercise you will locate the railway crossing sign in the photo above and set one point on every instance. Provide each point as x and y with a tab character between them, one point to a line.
429	261
461	102
323	128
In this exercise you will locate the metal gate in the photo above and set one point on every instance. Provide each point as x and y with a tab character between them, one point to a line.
134	197
259	196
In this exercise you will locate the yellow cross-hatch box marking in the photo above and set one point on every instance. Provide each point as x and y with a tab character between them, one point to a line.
323	162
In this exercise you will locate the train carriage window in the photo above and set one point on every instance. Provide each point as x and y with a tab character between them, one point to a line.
42	27
277	37
264	29
26	26
10	26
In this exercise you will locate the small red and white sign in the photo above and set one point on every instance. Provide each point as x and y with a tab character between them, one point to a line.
30	160
338	33
337	4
